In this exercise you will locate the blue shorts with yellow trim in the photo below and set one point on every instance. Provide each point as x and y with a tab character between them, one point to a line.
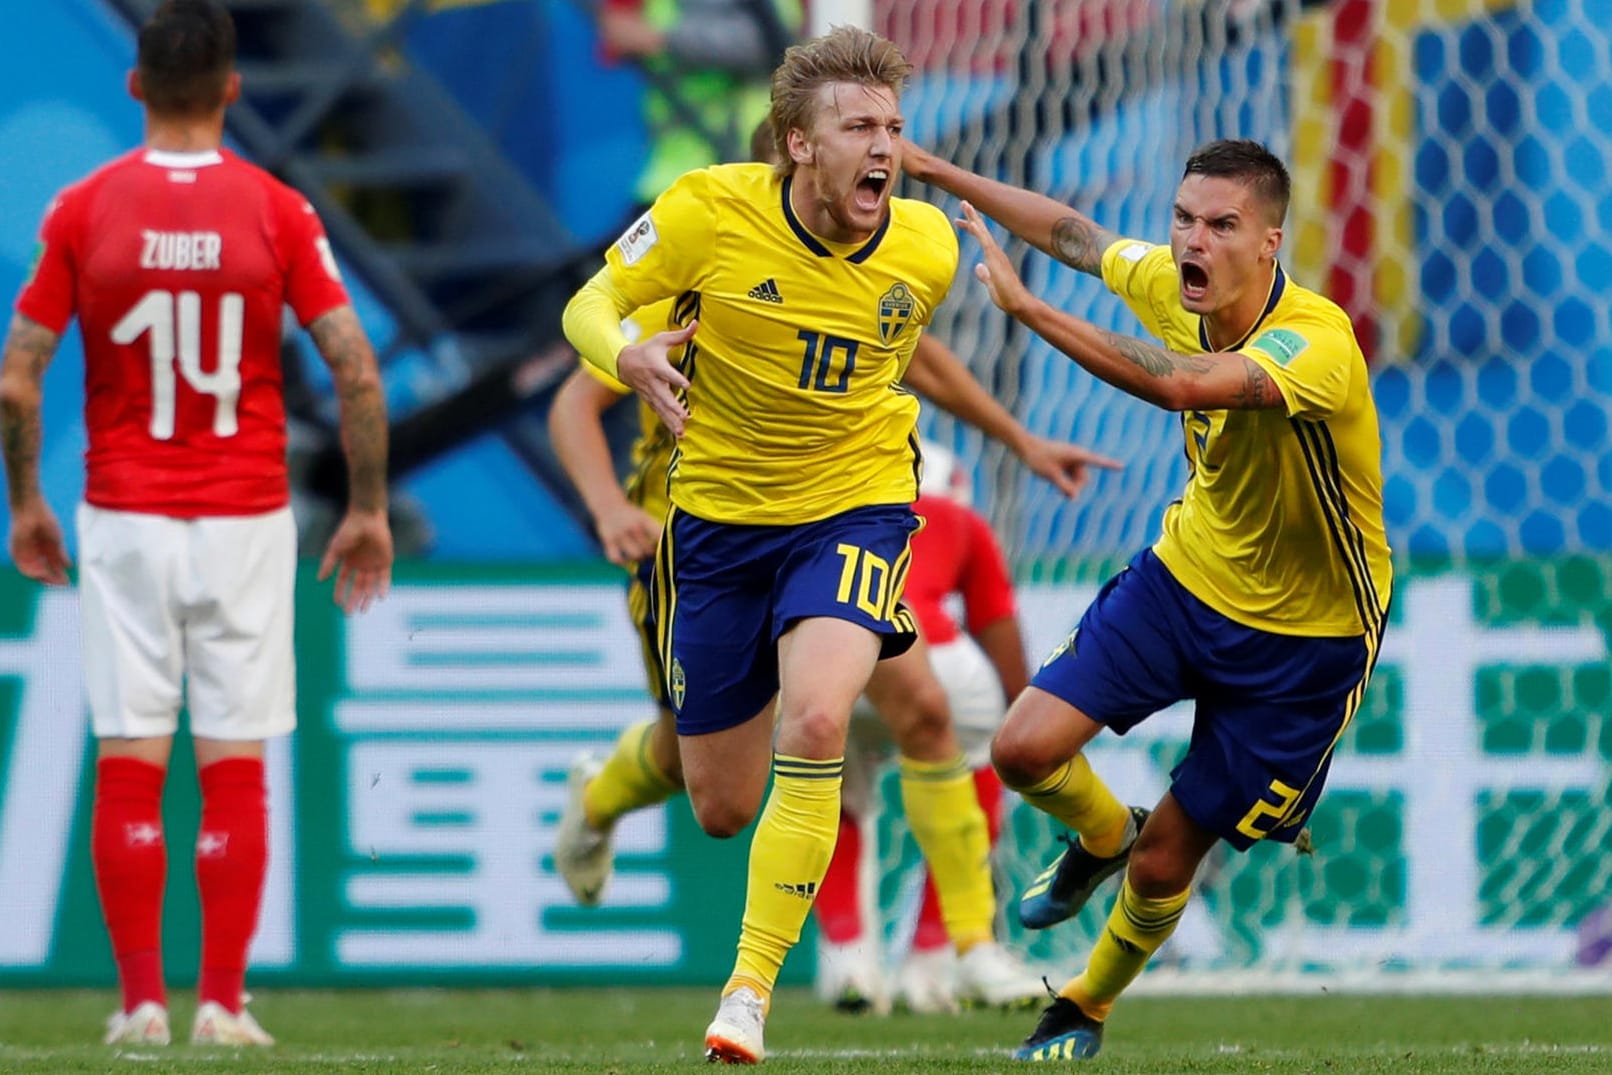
640	607
725	592
1270	708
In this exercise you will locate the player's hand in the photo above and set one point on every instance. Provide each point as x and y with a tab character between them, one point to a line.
628	533
360	553
996	272
37	547
1068	466
646	368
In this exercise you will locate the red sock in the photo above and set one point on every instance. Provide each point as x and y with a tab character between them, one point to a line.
839	904
930	933
232	854
131	867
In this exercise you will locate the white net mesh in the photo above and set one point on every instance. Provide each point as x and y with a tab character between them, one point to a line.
1448	160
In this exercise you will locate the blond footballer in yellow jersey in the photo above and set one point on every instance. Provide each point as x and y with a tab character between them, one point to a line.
795	409
1280	526
1265	599
781	564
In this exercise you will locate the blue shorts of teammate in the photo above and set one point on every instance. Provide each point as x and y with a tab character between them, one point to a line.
725	592
1270	707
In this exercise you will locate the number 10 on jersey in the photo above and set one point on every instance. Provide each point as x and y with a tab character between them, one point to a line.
172	326
828	362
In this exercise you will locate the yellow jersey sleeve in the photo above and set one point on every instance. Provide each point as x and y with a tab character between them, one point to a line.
1145	277
642	322
665	252
1311	361
661	254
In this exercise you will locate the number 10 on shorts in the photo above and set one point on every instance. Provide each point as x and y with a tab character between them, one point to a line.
864	580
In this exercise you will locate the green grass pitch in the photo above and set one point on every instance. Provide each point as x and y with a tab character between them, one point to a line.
622	1031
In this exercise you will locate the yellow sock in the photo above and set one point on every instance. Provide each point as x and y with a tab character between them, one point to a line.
1078	797
630	779
1136	927
944	812
788	857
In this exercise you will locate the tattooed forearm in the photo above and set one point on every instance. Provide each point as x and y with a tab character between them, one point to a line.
28	350
1153	360
346	351
1079	243
1258	390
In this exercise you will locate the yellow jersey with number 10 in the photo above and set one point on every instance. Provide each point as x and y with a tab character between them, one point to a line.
796	411
1281	524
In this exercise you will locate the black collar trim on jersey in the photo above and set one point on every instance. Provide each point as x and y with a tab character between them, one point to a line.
815	245
1278	285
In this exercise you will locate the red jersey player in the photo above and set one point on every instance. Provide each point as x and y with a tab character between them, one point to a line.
177	260
955	555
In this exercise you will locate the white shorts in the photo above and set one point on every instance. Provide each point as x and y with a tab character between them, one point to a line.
206	599
977	705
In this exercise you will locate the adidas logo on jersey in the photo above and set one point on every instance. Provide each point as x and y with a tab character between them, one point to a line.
767	291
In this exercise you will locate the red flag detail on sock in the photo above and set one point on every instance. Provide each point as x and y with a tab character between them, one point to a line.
232	854
130	858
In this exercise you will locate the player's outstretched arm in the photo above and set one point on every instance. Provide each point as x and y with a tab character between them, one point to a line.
627	533
1043	222
937	374
1174	381
36	541
360	551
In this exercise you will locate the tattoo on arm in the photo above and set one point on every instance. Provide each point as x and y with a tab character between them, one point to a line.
347	352
1259	391
28	350
1079	243
1156	361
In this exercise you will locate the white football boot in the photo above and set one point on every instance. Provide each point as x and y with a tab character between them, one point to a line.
926	981
734	1036
217	1025
992	976
848	978
582	854
146	1025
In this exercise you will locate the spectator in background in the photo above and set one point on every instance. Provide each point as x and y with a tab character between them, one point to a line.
709	65
954	557
178	259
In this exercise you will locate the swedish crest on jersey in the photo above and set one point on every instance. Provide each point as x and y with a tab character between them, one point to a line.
896	308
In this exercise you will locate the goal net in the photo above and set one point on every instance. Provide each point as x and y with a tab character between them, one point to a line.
1448	160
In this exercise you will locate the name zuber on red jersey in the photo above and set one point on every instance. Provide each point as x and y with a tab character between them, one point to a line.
178	268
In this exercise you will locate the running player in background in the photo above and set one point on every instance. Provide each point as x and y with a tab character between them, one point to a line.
178	259
1264	599
783	557
954	557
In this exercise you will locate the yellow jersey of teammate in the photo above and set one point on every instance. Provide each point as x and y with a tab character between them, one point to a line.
1281	524
652	448
796	412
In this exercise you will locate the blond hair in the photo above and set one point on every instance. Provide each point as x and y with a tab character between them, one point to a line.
844	54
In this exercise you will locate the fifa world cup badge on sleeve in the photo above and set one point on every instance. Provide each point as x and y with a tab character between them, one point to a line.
637	240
